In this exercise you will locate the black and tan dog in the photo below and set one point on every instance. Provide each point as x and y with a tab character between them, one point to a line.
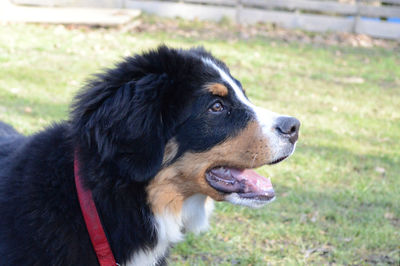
158	138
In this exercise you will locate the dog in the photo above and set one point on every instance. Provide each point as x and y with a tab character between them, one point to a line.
158	139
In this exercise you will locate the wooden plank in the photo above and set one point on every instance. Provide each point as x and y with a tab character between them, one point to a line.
396	2
379	29
79	16
379	11
71	3
329	7
310	22
49	3
318	6
183	10
213	2
286	19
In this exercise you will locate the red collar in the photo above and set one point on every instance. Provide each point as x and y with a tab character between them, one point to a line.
92	220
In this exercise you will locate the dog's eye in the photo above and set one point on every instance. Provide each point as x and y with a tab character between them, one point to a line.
216	107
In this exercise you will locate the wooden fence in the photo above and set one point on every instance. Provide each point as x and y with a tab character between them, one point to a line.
377	18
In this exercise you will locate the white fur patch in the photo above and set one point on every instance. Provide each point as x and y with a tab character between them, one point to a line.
265	118
193	218
195	213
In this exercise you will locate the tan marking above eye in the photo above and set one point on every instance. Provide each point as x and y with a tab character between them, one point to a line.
217	89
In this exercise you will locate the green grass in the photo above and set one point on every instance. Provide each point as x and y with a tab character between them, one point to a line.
338	196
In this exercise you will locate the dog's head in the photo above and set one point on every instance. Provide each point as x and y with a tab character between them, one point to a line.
178	121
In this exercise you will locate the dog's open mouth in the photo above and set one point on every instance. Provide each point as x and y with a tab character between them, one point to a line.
245	182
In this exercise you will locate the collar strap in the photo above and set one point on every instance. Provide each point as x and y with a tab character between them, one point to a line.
92	220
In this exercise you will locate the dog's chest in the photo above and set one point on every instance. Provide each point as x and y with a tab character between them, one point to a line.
171	228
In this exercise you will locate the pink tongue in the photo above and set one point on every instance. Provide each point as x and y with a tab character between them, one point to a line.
254	181
246	182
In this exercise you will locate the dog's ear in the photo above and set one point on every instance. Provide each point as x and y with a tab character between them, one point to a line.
124	124
147	132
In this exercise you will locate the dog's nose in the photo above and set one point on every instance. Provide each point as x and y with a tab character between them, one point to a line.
288	127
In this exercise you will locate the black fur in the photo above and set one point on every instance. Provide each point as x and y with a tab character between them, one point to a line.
119	125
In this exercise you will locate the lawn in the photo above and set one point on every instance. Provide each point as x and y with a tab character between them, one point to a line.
338	196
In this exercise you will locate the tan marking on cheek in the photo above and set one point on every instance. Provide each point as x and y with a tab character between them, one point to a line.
163	194
217	89
186	177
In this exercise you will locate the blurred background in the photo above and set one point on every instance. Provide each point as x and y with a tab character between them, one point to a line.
333	64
